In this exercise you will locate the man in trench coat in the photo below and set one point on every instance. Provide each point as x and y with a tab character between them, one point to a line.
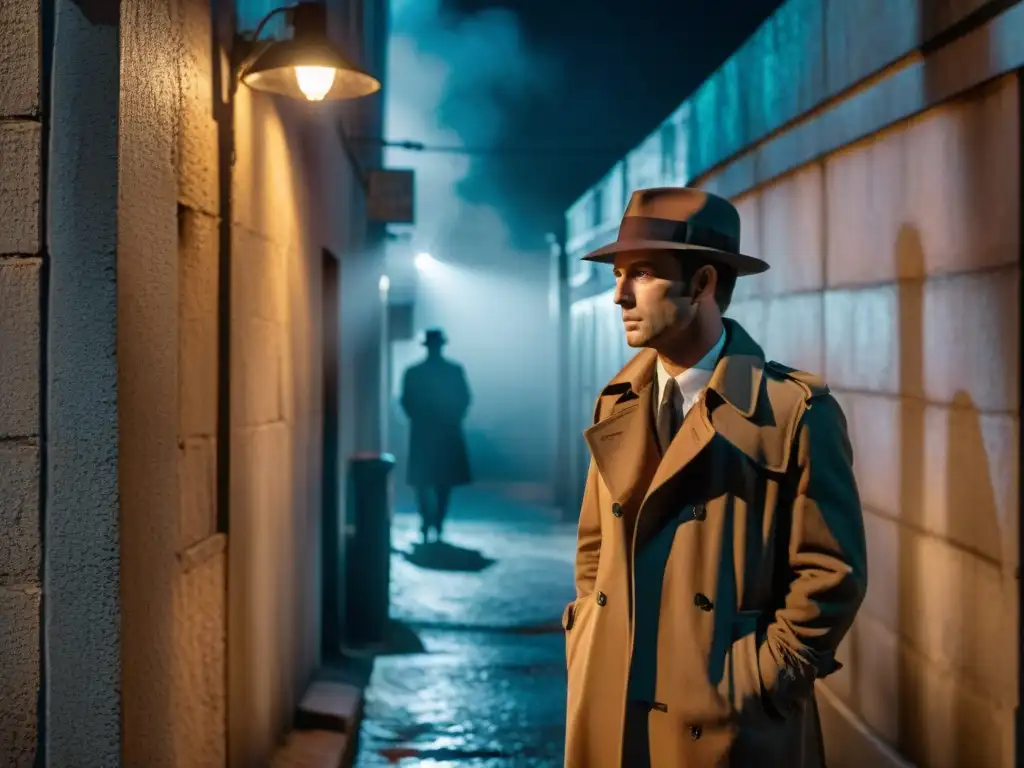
721	554
435	397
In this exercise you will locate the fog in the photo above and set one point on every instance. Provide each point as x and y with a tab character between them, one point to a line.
447	77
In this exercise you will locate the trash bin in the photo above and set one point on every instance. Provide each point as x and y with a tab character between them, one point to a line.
367	550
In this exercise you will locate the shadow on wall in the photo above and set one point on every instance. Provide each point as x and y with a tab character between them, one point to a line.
970	520
910	297
973	643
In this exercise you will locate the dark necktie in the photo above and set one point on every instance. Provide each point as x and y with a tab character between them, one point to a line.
668	414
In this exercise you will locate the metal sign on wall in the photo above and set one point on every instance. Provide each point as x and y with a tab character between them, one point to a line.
389	196
400	322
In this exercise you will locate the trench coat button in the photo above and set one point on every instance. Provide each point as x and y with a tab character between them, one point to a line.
702	602
601	598
699	512
617	509
695	732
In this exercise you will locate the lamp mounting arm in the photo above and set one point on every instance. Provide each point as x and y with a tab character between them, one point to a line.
248	49
289	9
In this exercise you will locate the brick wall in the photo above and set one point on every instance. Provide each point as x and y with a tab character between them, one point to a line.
895	274
21	249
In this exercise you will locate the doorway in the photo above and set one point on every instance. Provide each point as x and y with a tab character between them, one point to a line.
330	493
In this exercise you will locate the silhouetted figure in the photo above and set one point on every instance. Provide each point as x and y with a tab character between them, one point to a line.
435	397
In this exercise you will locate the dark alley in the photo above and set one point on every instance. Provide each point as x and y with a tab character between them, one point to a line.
511	383
488	688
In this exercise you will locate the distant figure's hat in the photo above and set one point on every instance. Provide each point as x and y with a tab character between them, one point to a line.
434	338
681	219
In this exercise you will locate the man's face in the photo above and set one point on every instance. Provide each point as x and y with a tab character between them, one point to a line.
649	288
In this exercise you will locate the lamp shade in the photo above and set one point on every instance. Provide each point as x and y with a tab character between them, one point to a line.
308	66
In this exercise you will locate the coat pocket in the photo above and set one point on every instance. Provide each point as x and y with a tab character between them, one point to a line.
573	620
571	638
740	685
568	615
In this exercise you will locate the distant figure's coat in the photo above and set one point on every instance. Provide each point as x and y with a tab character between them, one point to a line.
435	397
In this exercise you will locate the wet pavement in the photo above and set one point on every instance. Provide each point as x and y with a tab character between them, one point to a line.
484	685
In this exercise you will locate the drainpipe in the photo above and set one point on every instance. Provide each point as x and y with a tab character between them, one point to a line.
560	317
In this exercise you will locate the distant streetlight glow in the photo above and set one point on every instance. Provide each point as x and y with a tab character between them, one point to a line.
424	261
384	283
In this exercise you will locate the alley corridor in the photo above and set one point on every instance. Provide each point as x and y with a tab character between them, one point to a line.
268	270
488	689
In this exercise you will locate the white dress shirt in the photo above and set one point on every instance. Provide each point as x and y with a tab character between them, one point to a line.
691	382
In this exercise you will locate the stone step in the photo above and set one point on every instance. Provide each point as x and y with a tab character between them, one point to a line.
313	749
330	706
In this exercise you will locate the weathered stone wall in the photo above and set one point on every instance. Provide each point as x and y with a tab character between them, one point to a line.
123	320
874	152
896	275
196	598
294	196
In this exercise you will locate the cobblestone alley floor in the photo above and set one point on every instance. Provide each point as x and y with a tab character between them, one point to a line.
488	690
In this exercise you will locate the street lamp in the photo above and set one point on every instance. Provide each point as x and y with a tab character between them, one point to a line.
307	66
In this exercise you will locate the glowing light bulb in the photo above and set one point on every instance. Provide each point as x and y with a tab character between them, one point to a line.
384	283
315	82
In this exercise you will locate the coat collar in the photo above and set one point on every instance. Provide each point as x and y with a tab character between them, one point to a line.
736	378
623	443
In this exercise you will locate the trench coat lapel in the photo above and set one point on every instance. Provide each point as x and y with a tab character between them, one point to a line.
717	422
623	444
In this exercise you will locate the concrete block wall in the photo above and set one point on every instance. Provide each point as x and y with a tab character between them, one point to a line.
221	618
895	274
199	608
234	617
21	250
267	567
161	659
293	197
137	603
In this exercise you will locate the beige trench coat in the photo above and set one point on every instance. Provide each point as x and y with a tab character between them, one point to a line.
765	567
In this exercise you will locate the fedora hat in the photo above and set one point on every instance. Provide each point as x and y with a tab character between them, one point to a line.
681	219
434	337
